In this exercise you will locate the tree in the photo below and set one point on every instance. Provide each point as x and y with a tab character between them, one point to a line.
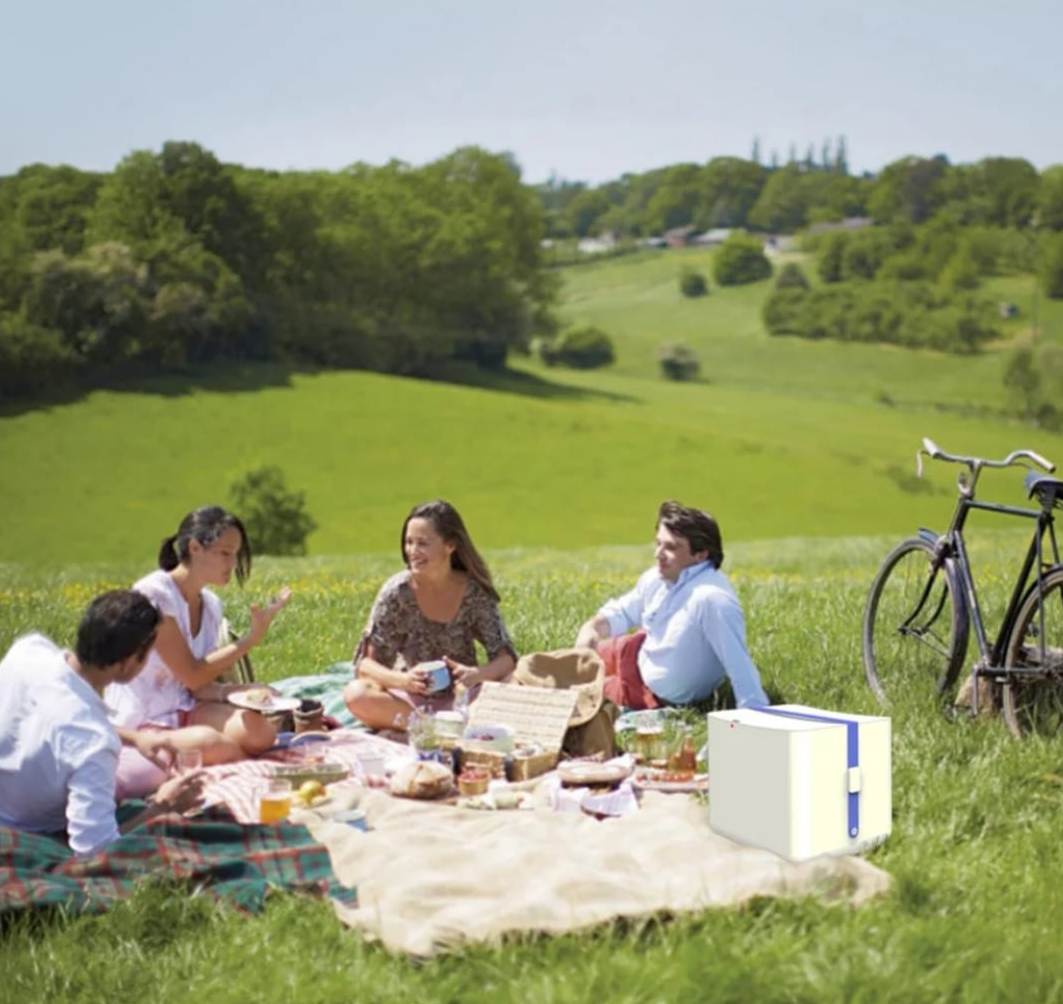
1050	198
276	519
909	189
677	199
841	157
741	259
95	301
729	189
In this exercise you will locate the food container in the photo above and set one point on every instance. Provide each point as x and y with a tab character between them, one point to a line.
800	781
371	762
449	725
473	781
295	774
488	738
309	716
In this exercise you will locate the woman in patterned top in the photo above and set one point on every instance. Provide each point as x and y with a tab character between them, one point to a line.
437	608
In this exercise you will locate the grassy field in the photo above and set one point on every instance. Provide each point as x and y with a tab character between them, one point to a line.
973	914
805	453
781	437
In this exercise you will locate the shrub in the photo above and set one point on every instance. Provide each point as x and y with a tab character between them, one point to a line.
692	283
782	312
912	314
544	349
276	519
584	348
741	259
1033	378
1053	268
831	257
678	361
791	277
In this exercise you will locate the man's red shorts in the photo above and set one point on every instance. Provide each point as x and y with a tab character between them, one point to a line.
623	682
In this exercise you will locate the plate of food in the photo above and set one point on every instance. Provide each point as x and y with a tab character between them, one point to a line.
650	779
577	773
422	779
262	699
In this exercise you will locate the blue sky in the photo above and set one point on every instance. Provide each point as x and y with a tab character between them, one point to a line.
584	89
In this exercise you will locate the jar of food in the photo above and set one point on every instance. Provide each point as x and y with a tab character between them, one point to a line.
473	781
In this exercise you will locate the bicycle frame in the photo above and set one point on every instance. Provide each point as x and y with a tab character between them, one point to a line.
951	545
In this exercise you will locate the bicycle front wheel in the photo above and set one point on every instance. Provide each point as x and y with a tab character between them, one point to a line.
915	626
1033	702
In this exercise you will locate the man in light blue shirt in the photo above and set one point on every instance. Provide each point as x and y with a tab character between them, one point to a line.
692	635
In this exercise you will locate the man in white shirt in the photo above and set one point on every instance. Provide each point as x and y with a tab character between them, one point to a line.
691	633
58	748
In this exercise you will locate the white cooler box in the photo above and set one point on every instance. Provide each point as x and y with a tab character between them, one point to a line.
800	781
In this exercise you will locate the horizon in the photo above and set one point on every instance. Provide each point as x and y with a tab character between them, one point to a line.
585	94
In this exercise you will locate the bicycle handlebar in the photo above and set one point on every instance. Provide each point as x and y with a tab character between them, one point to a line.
935	452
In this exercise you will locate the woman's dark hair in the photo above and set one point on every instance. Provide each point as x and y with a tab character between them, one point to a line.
115	626
697	526
448	524
205	525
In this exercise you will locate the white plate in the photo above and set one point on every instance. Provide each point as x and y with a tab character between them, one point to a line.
275	704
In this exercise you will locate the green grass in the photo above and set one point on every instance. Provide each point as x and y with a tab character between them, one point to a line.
781	437
975	851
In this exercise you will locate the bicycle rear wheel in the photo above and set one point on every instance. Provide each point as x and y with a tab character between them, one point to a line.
915	626
1033	704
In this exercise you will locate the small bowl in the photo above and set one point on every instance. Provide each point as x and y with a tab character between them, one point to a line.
490	738
473	782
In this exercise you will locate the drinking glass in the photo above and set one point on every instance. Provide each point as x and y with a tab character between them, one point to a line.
188	760
275	802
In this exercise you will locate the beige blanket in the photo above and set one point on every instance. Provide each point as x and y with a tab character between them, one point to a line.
431	877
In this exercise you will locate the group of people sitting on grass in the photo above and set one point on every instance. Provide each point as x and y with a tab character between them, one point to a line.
82	729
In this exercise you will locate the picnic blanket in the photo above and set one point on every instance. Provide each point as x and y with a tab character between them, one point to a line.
433	877
211	853
326	687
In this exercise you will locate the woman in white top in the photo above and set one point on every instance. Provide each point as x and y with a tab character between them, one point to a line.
178	687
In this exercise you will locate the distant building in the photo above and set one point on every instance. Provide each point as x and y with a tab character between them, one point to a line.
679	237
597	245
849	223
712	237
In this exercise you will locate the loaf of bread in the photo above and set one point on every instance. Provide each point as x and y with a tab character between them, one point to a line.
424	779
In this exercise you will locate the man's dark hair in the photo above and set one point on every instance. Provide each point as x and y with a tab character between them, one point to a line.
115	626
700	530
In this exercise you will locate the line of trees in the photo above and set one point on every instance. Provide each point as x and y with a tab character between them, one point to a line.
733	192
175	258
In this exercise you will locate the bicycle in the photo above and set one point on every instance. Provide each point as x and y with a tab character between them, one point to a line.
923	602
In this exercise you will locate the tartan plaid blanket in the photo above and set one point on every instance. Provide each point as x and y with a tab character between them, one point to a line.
236	786
211	853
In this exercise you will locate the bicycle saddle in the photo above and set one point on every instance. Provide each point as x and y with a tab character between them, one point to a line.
1045	487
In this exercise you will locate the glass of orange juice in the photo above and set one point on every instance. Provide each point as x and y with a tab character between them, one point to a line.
275	802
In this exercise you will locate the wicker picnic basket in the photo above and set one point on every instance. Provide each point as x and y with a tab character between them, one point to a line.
511	766
538	719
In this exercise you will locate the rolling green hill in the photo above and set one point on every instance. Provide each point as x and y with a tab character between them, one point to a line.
780	438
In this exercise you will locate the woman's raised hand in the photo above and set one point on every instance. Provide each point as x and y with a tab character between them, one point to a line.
262	617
